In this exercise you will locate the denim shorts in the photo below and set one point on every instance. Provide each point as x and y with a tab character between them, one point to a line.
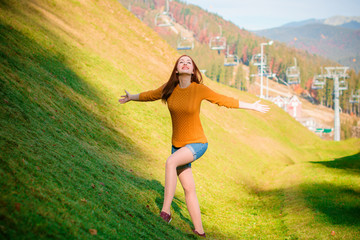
197	149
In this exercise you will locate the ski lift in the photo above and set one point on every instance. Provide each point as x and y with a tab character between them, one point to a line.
355	98
339	71
319	82
164	19
218	42
230	60
256	60
343	85
185	43
293	74
266	71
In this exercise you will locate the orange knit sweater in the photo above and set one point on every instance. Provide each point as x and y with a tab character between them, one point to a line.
184	106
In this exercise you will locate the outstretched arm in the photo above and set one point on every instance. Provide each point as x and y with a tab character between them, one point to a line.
256	106
230	102
129	97
151	95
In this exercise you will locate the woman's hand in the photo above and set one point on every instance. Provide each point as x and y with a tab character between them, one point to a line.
260	107
125	98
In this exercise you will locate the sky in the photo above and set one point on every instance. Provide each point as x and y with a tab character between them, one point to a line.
264	14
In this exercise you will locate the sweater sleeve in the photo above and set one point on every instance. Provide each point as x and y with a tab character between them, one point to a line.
151	95
218	99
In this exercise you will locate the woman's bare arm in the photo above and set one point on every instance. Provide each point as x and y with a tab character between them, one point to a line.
254	106
129	97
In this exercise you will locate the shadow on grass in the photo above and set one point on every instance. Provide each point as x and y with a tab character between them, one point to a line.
332	203
340	204
56	180
349	163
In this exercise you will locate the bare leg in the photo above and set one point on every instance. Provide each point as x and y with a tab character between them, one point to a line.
180	157
192	203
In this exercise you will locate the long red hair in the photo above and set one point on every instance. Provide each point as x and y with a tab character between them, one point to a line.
174	79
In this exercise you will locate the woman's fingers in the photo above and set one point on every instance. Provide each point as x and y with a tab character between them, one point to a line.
125	98
261	107
266	109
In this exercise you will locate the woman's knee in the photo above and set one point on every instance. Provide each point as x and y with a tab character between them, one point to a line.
170	162
189	189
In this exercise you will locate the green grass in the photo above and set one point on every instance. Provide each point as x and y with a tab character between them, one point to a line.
72	159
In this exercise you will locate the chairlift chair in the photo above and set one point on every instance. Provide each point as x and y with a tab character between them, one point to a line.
217	43
266	71
256	59
355	98
186	47
356	95
164	19
318	82
293	74
343	85
185	43
230	60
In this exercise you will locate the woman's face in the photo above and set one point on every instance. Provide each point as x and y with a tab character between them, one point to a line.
185	65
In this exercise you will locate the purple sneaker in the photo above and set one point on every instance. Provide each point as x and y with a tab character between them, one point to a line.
167	217
201	235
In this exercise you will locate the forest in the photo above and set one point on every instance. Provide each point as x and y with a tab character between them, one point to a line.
245	45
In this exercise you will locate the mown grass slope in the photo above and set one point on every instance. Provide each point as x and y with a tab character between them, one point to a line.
76	164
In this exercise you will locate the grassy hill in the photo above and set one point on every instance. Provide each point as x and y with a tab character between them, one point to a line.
77	165
191	20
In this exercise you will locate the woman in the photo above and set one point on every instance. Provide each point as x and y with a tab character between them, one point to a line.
183	94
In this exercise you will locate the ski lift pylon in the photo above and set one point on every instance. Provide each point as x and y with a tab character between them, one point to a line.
340	72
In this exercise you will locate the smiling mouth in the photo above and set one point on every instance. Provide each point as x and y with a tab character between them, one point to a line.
185	68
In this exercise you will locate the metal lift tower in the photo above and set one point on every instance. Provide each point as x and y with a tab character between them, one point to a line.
336	73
